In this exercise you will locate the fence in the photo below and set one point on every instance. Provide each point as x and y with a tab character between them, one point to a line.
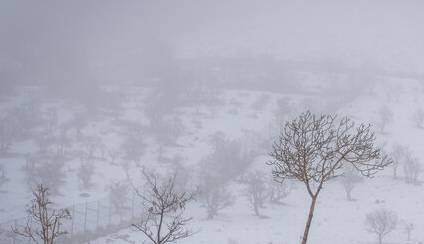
90	220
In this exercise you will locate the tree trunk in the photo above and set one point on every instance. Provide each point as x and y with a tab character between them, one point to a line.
380	239
395	172
348	195
309	221
256	208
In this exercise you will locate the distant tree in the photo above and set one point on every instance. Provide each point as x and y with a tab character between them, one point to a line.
118	193
44	224
62	141
51	121
381	222
85	174
385	117
278	191
133	148
411	168
45	170
408	228
44	142
3	177
314	148
398	155
7	133
349	180
215	198
113	155
164	220
256	190
182	174
228	159
418	118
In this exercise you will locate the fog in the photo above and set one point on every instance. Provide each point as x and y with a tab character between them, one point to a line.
190	121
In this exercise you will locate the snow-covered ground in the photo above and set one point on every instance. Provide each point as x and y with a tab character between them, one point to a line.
336	220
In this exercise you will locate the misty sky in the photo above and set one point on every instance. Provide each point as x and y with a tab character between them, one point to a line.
44	37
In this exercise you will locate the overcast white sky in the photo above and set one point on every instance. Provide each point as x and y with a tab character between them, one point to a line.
383	33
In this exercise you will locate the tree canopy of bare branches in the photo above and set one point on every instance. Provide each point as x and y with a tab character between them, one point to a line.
381	222
164	220
44	223
314	148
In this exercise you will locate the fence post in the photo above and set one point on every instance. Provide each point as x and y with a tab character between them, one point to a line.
98	214
132	205
85	217
13	234
109	213
72	220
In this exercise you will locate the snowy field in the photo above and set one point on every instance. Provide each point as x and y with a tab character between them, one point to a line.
117	144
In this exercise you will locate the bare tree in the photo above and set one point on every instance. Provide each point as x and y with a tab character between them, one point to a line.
164	221
386	116
44	223
313	149
278	191
3	177
215	199
381	222
349	180
411	168
418	118
256	191
408	228
398	155
85	173
118	193
7	133
46	170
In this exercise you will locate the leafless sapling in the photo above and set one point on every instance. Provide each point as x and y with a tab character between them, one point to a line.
118	194
44	224
418	118
164	220
349	180
256	190
7	136
3	177
408	228
398	155
386	116
214	194
411	168
278	191
314	148
381	222
85	174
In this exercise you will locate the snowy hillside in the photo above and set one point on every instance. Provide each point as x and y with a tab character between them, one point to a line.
114	146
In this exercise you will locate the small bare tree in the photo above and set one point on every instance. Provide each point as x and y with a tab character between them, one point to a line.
3	177
214	195
256	191
408	228
278	191
381	222
386	117
411	168
349	180
313	149
7	133
118	193
164	221
418	118
85	174
398	155
44	223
